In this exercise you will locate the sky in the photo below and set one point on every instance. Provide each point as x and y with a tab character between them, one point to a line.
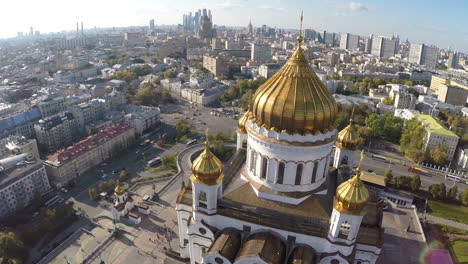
438	22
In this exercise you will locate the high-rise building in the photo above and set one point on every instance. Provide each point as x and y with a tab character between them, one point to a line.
328	38
423	55
310	34
151	25
383	47
368	44
250	28
453	61
192	22
349	41
206	27
261	52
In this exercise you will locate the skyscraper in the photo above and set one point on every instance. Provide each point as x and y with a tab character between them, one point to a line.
368	45
250	28
328	38
423	55
383	47
349	41
192	23
453	61
310	34
151	25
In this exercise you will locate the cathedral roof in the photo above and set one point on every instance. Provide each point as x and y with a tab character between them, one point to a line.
226	244
302	255
348	138
352	196
207	168
266	246
294	100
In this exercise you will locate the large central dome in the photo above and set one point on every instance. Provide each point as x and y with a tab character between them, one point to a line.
294	100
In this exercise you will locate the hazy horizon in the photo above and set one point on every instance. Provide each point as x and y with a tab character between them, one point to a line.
431	22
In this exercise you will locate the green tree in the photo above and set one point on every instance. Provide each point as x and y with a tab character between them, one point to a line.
409	83
415	183
439	155
92	193
388	176
464	197
11	248
385	126
438	191
123	176
452	193
411	141
388	101
169	74
403	182
184	128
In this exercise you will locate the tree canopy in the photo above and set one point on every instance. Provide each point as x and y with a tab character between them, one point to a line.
11	247
411	142
385	126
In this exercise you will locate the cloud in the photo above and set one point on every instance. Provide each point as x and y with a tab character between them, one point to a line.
229	4
357	7
271	8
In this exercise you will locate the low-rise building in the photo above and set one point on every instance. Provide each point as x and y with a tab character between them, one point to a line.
437	135
404	100
56	132
22	178
14	145
452	94
221	66
462	157
51	106
269	69
143	118
67	165
20	124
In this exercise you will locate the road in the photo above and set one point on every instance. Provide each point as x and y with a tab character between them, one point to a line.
400	170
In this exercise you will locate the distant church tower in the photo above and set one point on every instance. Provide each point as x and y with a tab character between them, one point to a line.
346	146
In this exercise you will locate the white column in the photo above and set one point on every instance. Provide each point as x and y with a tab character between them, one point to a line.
289	173
272	170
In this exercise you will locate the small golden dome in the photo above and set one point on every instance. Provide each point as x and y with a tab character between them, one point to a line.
294	100
352	196
348	138
207	168
119	190
242	121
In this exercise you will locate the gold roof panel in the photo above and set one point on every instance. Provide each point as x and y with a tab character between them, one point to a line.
352	196
242	121
348	138
207	168
294	100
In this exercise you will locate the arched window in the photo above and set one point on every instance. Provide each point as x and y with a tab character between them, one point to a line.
344	161
314	172
344	230
264	168
325	167
298	174
279	178
202	200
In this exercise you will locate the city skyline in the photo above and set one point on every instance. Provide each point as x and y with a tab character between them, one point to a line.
435	23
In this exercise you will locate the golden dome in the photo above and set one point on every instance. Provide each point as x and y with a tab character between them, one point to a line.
352	196
207	168
348	138
119	190
242	121
294	100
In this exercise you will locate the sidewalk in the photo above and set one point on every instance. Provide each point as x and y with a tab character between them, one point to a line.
438	220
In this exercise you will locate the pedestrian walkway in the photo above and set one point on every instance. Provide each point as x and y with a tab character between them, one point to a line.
439	220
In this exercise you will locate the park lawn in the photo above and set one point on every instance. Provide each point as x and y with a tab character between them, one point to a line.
460	249
449	211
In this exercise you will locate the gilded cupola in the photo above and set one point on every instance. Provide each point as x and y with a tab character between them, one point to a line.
242	121
294	100
348	138
352	195
207	168
119	190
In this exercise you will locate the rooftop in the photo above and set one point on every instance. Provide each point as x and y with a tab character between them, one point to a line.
59	158
14	172
434	126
